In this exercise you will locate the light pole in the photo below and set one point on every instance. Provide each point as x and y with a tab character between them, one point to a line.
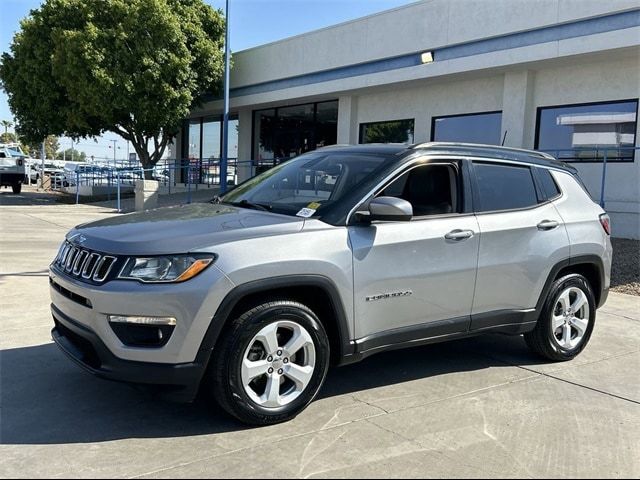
225	119
42	153
114	152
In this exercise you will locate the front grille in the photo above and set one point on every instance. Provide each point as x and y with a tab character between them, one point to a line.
79	299
84	264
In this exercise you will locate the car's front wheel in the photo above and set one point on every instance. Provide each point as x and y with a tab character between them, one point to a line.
16	187
567	320
270	363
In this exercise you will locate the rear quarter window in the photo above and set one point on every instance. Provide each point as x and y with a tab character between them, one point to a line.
504	187
548	184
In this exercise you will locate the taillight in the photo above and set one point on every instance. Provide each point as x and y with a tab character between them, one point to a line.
605	221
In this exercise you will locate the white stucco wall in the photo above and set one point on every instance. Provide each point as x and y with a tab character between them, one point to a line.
518	94
596	81
418	26
431	100
589	67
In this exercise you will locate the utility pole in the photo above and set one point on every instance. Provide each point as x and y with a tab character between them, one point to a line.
225	118
114	152
42	153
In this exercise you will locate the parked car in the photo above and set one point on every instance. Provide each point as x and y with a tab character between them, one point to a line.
329	258
12	166
161	174
85	174
126	176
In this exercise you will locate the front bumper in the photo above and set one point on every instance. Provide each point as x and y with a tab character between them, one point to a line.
85	348
192	303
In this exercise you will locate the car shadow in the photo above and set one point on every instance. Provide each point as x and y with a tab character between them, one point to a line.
5	276
28	197
38	273
48	400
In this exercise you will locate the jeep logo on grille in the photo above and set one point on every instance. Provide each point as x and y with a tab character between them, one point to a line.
384	296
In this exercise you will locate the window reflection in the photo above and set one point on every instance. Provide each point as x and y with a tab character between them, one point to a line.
482	128
194	138
286	132
394	131
588	131
211	136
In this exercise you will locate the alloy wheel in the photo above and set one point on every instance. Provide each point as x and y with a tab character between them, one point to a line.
278	364
570	318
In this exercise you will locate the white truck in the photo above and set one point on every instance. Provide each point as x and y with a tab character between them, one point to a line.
12	166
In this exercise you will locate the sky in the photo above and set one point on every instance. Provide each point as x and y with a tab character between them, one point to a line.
253	22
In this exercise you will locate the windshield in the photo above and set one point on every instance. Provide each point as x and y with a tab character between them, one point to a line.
15	152
307	185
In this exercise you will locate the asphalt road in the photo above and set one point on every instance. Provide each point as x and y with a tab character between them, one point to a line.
481	407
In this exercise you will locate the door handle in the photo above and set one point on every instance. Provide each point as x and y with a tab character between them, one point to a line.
459	235
547	225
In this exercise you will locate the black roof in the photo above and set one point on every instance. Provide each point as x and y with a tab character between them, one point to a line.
462	149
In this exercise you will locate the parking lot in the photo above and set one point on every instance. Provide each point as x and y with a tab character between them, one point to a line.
482	407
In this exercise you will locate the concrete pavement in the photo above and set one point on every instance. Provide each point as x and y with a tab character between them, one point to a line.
482	407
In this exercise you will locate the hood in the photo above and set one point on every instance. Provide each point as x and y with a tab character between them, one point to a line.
180	229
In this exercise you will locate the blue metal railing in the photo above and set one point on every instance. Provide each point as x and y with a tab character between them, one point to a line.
596	155
189	175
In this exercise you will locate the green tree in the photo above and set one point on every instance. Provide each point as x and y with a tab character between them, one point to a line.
134	67
7	137
51	146
400	131
71	154
6	124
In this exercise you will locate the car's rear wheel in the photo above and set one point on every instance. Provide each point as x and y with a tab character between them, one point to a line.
567	320
270	363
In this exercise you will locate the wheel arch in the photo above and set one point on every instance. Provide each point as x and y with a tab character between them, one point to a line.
589	266
317	292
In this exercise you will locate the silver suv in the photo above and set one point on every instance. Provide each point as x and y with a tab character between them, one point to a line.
329	258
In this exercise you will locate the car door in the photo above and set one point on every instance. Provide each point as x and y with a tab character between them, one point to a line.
415	279
522	236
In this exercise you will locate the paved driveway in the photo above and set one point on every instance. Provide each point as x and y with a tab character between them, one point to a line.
482	407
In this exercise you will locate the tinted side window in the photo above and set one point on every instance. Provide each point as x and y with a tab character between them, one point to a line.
504	187
549	186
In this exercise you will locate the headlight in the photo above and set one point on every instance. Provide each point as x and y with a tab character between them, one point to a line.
174	268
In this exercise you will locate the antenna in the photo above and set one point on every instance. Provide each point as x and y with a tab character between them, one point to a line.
504	138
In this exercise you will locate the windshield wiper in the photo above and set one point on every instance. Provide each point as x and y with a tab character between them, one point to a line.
248	204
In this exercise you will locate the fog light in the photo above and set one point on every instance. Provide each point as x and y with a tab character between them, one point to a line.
142	320
139	331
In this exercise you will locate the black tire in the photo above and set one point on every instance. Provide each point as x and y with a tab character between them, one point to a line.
224	375
542	340
16	187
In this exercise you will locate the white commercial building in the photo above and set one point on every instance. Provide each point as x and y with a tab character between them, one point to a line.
557	75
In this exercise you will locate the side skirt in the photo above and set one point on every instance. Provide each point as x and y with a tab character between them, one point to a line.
507	322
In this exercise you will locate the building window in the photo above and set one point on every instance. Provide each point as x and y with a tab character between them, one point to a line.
588	132
203	138
193	138
211	138
286	132
202	148
482	128
394	131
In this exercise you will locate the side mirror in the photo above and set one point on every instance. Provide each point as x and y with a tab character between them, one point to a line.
390	209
